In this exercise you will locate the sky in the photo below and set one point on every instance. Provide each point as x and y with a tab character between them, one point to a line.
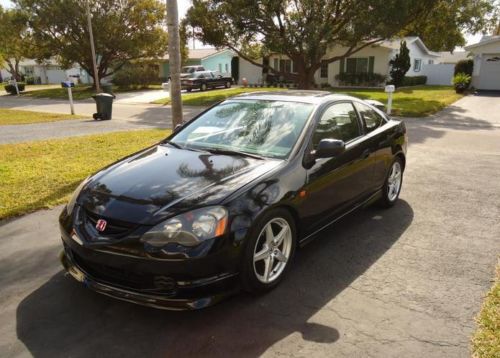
185	4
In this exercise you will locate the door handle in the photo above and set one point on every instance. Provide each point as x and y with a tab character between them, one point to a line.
366	153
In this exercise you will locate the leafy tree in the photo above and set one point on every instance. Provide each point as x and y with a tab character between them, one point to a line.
400	64
442	29
15	43
302	29
123	30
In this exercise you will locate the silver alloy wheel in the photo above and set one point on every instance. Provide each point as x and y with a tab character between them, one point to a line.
272	250
394	181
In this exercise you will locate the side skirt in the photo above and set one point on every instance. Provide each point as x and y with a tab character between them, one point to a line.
373	198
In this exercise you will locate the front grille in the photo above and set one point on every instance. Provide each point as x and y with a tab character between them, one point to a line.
115	229
126	278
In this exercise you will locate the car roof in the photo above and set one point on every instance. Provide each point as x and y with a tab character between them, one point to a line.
304	96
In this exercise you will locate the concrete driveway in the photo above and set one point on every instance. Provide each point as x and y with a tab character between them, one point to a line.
404	282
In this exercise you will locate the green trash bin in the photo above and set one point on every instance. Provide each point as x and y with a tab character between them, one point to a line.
104	104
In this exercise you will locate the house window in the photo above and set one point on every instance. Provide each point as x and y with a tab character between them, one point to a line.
286	66
417	65
276	64
226	66
357	65
324	69
220	67
29	71
431	62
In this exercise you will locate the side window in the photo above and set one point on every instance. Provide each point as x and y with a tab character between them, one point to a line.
338	122
372	119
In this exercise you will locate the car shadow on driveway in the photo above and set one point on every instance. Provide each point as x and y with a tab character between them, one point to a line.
62	318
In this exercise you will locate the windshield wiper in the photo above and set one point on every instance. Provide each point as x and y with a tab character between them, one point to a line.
232	152
173	144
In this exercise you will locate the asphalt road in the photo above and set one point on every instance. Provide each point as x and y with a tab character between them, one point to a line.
126	116
404	282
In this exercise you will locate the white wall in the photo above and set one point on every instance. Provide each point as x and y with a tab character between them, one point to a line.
416	52
438	74
252	73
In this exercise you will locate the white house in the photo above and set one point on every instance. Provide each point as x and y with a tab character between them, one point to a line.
48	72
372	59
486	74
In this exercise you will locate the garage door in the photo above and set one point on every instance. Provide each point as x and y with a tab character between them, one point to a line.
489	76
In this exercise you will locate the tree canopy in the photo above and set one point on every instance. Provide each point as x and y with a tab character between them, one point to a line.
443	28
123	30
400	64
15	42
303	30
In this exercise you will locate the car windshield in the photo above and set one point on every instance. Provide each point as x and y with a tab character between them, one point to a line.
260	127
188	70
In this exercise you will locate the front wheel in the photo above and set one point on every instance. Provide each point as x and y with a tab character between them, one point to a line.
269	251
227	84
393	183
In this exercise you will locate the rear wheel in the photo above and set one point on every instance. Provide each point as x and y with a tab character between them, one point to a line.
269	251
189	89
393	184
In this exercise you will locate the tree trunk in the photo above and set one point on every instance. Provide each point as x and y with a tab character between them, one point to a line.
174	54
306	78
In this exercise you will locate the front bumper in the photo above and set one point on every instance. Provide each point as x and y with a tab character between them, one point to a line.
155	300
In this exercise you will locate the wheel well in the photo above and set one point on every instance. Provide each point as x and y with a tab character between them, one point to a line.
402	157
295	216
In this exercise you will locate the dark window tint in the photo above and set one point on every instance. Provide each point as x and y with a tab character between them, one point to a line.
372	119
338	122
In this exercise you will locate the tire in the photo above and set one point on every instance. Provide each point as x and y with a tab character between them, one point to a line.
227	84
392	184
255	279
203	87
189	89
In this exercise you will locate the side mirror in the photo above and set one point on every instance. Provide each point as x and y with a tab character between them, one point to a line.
328	148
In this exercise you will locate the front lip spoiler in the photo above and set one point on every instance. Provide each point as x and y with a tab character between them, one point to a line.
155	301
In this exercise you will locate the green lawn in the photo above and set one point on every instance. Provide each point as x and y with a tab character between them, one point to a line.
418	101
14	116
210	97
79	92
486	340
42	174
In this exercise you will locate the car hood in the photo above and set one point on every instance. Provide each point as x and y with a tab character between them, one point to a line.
162	181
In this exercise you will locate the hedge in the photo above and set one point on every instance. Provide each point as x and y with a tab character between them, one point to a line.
414	80
12	89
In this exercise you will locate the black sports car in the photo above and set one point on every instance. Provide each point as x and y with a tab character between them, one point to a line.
223	202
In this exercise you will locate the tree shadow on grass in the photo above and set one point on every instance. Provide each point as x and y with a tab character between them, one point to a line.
63	318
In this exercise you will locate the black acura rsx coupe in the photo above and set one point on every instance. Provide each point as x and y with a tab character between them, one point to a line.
225	200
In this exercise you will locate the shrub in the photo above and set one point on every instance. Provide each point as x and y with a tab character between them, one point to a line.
360	79
464	66
414	80
400	64
461	82
135	76
12	89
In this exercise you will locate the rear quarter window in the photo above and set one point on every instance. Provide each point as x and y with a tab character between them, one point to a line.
371	119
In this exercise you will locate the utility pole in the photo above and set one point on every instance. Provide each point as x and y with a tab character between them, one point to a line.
174	55
92	49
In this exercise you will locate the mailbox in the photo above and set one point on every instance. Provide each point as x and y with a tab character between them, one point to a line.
67	84
390	89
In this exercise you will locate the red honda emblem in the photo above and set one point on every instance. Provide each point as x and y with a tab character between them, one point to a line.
101	225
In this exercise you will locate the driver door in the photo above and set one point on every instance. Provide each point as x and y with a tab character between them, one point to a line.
335	185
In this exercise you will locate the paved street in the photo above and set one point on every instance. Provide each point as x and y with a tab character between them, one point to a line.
404	282
125	117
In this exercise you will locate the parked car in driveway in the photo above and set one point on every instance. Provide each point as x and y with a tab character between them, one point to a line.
187	71
204	80
226	199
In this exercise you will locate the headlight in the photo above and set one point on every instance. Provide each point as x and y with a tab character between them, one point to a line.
188	229
71	203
